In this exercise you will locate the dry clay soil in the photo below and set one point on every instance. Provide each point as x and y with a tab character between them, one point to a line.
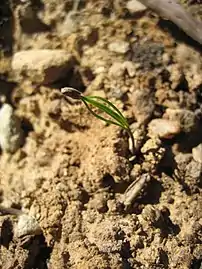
72	171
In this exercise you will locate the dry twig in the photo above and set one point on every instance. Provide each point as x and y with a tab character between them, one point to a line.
10	211
174	12
134	189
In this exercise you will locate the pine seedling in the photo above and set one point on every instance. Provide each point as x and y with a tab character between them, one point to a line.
114	115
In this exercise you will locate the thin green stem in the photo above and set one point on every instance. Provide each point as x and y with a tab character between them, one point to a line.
117	115
132	139
105	106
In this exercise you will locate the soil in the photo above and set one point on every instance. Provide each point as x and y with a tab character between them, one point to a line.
72	172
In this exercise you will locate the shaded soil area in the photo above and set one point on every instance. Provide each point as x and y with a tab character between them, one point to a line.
72	171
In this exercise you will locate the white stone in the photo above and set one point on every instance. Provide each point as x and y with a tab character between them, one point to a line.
135	6
197	153
163	128
42	66
11	135
119	47
116	70
130	67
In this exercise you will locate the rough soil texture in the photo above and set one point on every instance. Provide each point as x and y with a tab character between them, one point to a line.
72	171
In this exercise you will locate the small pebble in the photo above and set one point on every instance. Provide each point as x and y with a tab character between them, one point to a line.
26	225
135	6
119	47
42	66
143	104
197	153
116	70
151	214
11	134
69	25
164	128
130	68
185	117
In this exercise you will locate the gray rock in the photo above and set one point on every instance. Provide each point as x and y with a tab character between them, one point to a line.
185	117
42	66
143	104
11	134
26	225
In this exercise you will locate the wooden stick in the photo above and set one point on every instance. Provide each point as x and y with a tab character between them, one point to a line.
134	189
174	12
10	211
